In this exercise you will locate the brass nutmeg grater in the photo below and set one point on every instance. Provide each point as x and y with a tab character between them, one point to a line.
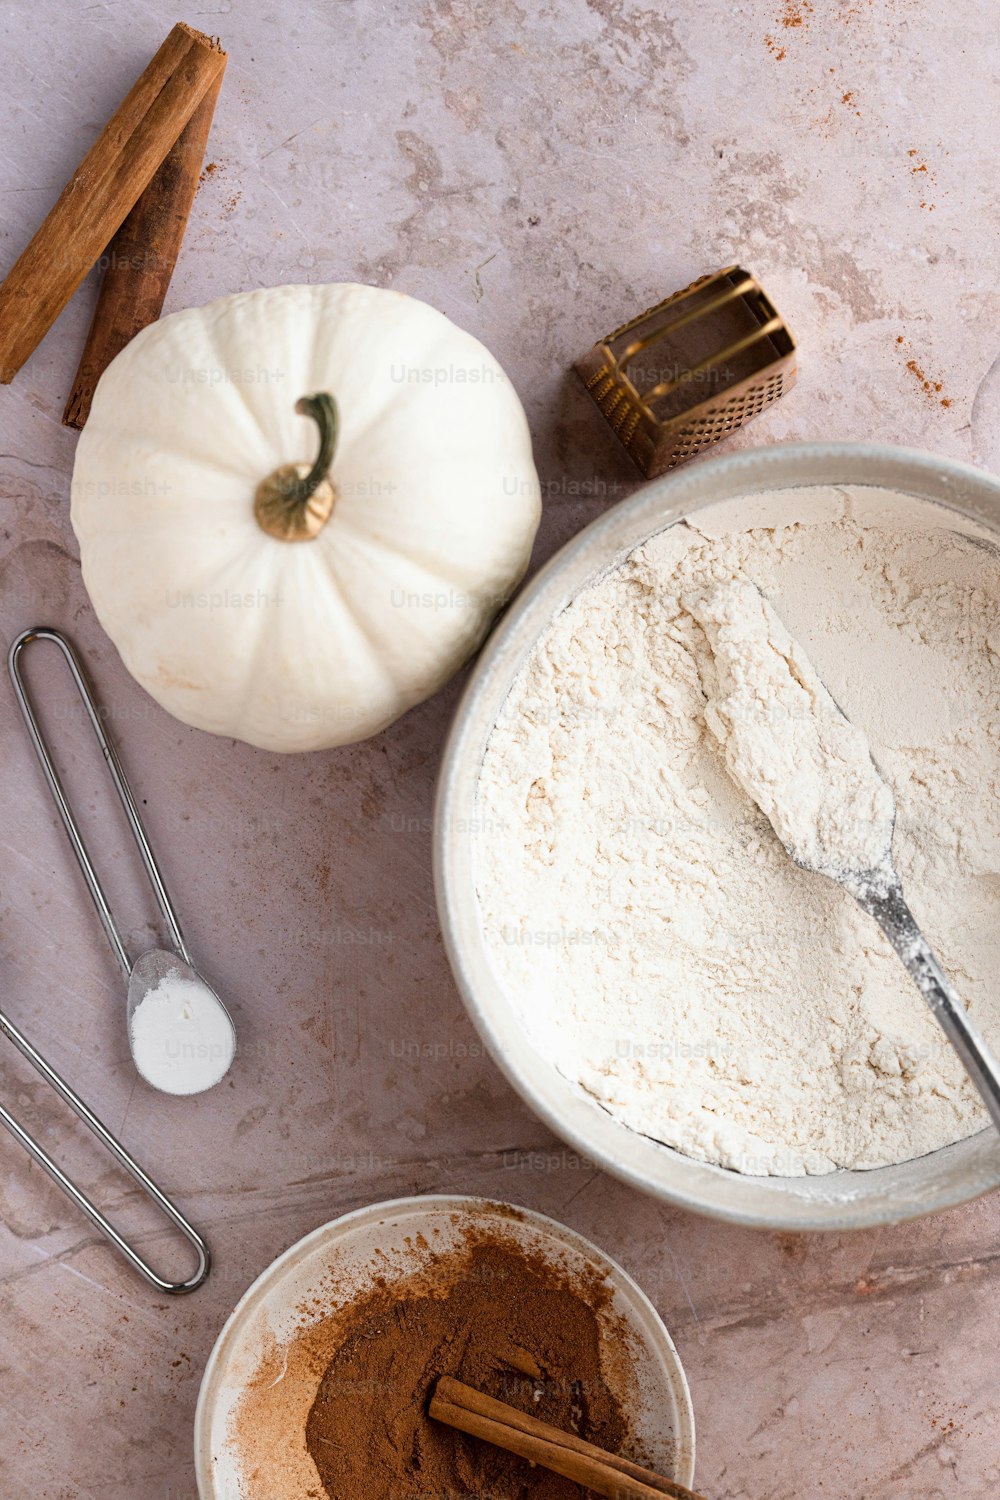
692	369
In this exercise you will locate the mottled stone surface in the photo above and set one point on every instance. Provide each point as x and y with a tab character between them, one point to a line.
539	174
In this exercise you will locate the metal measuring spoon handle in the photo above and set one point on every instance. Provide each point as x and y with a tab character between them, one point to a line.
882	897
117	1150
147	971
125	796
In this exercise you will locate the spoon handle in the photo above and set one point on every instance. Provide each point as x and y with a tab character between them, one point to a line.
125	797
888	907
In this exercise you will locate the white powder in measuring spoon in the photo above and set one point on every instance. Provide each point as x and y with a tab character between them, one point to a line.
182	1039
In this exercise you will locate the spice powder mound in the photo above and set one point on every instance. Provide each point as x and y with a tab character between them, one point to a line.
506	1325
345	1402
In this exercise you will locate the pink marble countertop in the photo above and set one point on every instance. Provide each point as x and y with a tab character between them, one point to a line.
539	174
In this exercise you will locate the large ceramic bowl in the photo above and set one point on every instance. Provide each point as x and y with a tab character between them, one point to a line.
335	1264
840	1200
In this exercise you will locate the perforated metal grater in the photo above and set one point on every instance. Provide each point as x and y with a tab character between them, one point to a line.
692	369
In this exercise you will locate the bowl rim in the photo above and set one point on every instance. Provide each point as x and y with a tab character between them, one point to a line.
335	1230
942	1179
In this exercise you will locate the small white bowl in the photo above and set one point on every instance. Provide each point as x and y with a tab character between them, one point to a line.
654	1392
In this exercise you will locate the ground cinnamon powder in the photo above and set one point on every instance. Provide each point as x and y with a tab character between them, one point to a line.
501	1320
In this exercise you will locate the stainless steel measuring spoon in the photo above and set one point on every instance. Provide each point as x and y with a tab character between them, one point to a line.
86	1205
152	967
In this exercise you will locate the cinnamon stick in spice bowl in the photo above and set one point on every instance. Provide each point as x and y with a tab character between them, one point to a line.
104	188
481	1416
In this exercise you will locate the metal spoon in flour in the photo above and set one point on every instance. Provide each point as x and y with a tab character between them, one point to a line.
810	771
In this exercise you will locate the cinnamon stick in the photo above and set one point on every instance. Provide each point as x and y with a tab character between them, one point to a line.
103	189
468	1410
140	259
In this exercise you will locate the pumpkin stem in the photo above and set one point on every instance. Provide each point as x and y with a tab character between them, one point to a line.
295	502
323	410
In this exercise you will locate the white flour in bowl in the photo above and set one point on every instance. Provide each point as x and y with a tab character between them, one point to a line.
664	951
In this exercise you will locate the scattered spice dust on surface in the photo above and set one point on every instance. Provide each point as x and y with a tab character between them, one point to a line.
795	13
931	388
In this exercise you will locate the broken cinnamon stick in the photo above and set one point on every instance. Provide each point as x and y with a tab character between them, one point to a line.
140	260
105	186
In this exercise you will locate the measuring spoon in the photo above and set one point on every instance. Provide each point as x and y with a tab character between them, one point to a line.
158	976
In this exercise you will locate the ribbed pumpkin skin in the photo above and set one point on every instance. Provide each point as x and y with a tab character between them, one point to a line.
302	645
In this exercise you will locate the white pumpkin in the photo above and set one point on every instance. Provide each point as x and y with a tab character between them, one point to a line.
246	607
